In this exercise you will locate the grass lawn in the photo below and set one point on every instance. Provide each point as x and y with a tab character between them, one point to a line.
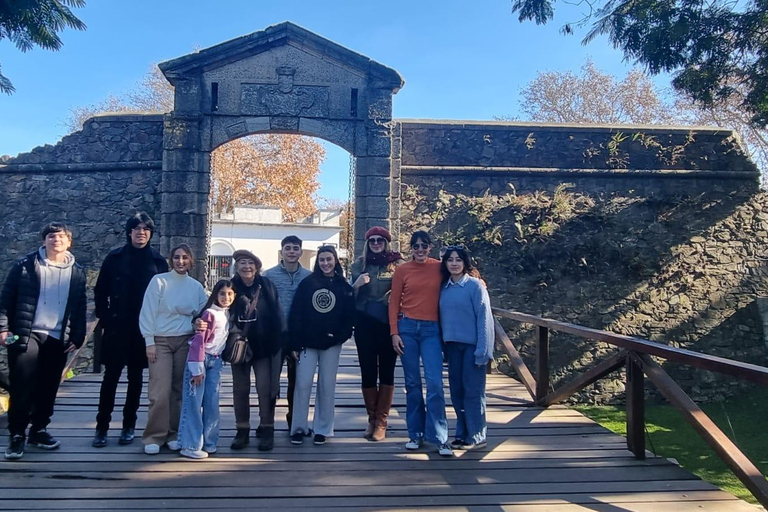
670	436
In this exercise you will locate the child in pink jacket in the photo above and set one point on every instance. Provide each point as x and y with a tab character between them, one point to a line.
199	426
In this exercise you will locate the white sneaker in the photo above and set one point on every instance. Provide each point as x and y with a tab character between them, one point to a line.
444	450
174	446
152	449
413	444
194	454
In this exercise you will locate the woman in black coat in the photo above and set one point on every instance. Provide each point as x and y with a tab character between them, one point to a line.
118	294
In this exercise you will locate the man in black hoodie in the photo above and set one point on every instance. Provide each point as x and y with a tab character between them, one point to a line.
119	292
42	319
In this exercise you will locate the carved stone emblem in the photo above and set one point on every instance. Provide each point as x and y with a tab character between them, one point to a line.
285	98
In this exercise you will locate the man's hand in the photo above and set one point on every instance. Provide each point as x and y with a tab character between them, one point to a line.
3	336
151	354
70	348
397	344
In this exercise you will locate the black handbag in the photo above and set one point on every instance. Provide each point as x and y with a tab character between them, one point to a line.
238	350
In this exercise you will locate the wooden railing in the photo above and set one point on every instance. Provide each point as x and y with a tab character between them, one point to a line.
635	354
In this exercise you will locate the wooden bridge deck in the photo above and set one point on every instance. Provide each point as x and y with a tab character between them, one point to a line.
537	460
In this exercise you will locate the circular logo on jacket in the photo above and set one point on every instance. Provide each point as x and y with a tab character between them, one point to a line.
323	300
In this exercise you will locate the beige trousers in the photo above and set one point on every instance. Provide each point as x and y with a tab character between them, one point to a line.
166	377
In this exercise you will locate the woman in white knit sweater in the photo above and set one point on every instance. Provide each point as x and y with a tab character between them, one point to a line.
170	303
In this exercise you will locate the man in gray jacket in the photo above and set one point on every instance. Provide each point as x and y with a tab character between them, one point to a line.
286	277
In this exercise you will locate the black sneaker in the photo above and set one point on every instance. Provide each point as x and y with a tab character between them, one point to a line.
457	444
100	439
297	438
16	449
319	439
42	439
126	436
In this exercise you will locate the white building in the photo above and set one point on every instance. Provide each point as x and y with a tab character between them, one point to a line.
260	229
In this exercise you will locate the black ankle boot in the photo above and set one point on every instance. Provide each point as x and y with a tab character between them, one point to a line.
241	439
267	439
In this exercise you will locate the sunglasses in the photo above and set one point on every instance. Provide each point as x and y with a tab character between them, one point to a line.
458	247
420	245
376	240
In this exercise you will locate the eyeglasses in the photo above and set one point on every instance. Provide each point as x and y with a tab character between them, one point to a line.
376	240
420	245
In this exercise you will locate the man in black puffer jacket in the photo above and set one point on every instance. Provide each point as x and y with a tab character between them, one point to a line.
42	319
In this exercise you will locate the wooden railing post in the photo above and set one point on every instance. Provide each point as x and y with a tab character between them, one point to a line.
635	388
542	364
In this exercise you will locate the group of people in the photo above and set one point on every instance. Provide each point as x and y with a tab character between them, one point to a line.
161	318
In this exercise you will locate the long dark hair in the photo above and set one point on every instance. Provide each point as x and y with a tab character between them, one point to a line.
223	283
462	253
316	272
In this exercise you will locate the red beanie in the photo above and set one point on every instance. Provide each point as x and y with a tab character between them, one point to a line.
378	230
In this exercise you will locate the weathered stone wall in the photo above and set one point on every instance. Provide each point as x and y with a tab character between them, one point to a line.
92	180
668	257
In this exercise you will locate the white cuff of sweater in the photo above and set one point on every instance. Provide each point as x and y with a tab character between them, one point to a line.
150	340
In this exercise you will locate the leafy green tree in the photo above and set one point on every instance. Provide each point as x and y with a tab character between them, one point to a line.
30	23
716	49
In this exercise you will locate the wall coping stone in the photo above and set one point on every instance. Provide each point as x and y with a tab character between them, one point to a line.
86	167
557	127
424	170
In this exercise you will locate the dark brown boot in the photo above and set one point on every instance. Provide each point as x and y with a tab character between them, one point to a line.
386	394
241	439
267	439
371	397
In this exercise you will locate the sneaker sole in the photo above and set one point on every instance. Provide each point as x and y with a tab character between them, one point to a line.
14	456
318	444
44	446
297	443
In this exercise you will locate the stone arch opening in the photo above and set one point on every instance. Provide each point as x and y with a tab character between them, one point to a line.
259	195
283	79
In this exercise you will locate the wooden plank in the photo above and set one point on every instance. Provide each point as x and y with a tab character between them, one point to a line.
726	449
745	371
542	363
521	369
635	389
662	499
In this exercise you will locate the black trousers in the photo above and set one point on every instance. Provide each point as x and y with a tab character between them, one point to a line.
290	364
375	352
112	374
35	376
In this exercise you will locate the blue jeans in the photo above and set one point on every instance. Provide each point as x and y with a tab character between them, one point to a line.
467	384
199	426
422	344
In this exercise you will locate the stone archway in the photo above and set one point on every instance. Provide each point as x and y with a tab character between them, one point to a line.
283	79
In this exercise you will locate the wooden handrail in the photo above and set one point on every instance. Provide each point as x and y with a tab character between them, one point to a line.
73	358
745	371
636	354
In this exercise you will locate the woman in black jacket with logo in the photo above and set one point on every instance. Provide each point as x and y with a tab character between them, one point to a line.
321	320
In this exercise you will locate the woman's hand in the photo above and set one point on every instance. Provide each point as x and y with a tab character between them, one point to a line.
397	344
200	325
361	281
197	379
151	354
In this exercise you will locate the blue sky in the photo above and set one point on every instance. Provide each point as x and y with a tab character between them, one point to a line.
460	59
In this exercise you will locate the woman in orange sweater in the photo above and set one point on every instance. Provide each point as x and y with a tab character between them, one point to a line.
413	321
